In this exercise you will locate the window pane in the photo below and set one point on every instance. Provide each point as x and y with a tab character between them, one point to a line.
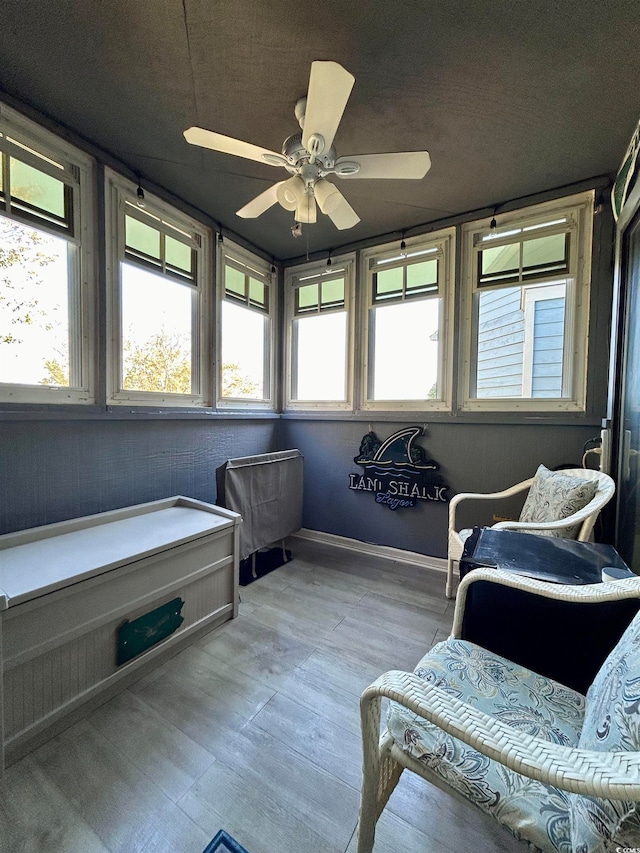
234	281
500	262
37	188
521	342
548	347
409	328
544	253
500	343
332	293
307	296
142	238
257	292
389	282
422	276
321	369
156	332
178	255
34	306
243	352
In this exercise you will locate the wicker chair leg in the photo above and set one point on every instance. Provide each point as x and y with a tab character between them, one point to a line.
449	589
380	773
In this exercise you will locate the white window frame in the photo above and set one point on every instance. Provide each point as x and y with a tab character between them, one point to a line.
441	246
79	175
578	211
293	276
119	191
230	251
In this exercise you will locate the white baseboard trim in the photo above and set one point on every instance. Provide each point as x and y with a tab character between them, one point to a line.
412	557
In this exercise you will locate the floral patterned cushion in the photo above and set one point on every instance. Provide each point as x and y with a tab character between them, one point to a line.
554	496
611	724
530	703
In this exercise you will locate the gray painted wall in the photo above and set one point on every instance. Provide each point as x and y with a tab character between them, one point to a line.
473	457
54	470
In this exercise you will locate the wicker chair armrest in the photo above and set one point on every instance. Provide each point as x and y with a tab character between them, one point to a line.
593	593
614	775
532	526
481	496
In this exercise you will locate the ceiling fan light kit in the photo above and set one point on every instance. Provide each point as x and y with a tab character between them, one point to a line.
290	193
310	156
327	195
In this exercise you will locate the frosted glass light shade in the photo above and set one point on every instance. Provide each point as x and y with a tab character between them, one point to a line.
291	194
327	195
306	212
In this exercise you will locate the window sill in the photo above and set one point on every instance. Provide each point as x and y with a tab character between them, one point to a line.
52	412
126	413
462	418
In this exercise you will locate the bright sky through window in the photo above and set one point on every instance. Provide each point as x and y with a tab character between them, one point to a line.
322	341
34	314
406	350
243	343
156	332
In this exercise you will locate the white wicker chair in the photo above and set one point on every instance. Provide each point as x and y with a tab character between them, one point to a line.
585	517
612	775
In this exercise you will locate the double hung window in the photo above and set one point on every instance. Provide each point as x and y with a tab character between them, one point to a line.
158	273
46	266
408	342
245	353
319	314
526	308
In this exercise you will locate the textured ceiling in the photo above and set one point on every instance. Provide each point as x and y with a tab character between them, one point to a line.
510	97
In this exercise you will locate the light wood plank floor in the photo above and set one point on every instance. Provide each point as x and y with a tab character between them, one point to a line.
253	729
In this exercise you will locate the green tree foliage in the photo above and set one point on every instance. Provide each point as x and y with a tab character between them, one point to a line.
20	247
161	363
235	383
57	371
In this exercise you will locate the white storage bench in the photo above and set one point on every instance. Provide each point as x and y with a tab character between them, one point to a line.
66	590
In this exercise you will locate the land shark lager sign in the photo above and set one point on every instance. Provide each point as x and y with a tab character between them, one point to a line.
397	471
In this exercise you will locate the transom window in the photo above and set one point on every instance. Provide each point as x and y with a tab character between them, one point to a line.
46	269
157	306
527	258
527	302
246	329
407	356
159	245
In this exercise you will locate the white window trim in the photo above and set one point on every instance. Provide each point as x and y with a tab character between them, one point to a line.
444	241
232	250
82	320
347	261
117	189
580	208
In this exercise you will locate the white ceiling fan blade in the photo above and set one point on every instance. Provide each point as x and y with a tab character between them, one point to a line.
260	203
344	216
408	164
329	88
229	145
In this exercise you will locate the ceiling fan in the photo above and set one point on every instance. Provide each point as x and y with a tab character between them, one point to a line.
310	156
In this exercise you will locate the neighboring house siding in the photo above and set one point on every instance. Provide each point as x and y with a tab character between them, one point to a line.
500	343
548	348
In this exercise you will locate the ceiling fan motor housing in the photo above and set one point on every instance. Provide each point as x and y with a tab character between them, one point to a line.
297	154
